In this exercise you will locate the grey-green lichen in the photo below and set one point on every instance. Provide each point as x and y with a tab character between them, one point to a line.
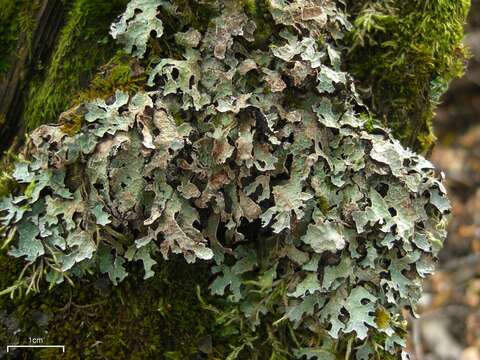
248	155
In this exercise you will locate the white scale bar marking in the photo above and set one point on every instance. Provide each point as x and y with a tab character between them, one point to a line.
35	346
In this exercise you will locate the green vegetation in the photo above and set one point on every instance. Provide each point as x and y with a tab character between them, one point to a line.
16	18
136	320
405	53
84	45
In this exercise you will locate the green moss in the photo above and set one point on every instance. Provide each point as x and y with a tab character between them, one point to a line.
258	9
7	183
120	73
137	320
9	309
83	45
250	6
407	52
16	18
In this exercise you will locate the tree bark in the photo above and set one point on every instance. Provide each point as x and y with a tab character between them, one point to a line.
14	85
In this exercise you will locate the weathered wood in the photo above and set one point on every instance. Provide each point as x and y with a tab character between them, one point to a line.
14	85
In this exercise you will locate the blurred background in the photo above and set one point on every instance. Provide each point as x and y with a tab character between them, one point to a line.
449	328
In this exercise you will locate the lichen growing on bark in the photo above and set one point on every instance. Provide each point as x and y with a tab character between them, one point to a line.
243	147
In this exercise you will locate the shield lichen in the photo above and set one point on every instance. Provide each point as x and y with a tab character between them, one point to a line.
250	155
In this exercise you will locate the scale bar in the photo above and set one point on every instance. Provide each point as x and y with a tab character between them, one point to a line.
35	346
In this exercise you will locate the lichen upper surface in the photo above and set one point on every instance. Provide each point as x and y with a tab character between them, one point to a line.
250	153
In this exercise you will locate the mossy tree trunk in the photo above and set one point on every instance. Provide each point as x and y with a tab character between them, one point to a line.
51	51
48	66
34	46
